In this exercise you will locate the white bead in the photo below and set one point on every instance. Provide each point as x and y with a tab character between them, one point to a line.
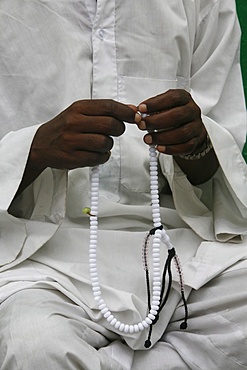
136	328
126	328
117	325
151	317
96	288
131	329
93	274
94	197
102	306
156	293
121	327
156	246
155	214
156	278
153	312
156	255
93	230
157	220
157	282
96	294
104	310
145	324
156	275
140	326
156	289
148	321
155	209
156	269
107	314
110	318
156	308
113	322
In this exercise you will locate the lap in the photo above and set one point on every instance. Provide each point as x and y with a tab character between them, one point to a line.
42	328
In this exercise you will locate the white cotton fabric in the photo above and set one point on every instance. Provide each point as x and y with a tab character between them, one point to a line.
59	334
55	52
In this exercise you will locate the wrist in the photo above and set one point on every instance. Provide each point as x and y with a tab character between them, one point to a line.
200	152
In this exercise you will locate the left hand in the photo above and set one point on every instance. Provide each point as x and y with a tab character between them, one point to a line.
174	123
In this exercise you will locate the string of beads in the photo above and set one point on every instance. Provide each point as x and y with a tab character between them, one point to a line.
159	235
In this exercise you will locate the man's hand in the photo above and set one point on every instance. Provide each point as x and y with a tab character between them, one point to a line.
80	136
174	123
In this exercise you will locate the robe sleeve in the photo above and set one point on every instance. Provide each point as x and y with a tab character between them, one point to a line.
28	222
216	86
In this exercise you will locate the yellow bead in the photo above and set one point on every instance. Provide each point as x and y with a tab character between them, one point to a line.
86	210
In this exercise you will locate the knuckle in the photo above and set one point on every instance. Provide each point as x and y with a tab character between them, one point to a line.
107	143
117	128
108	106
186	133
112	124
191	145
69	119
180	96
179	114
76	105
194	109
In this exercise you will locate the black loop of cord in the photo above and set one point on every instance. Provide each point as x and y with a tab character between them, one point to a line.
167	269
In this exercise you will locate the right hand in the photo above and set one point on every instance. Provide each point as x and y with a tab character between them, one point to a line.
81	135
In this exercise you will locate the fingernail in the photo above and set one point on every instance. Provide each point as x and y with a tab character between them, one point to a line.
143	108
161	148
138	117
142	125
148	139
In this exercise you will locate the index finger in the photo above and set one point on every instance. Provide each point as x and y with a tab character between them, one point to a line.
107	107
168	100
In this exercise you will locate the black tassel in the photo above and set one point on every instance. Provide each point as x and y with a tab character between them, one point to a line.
167	270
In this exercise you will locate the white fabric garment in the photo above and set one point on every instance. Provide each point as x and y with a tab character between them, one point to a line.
53	53
43	329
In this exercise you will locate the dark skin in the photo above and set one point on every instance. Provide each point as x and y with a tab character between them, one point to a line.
81	135
179	130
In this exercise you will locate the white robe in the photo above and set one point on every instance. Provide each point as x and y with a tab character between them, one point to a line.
53	53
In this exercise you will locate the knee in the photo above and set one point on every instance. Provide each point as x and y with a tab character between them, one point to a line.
34	341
